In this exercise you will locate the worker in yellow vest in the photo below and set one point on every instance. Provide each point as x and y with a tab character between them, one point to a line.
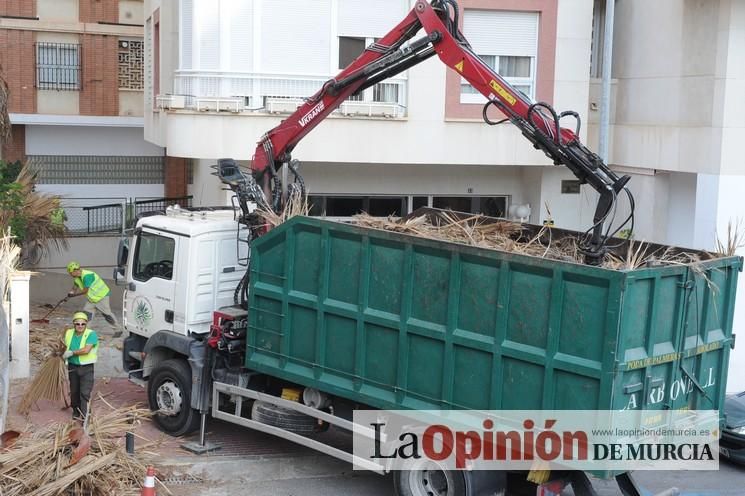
90	284
81	352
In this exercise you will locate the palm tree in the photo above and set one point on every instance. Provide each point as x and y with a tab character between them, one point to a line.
35	219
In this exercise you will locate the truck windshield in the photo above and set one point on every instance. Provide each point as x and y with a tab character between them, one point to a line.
154	257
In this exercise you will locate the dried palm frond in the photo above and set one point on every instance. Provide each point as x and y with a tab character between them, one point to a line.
633	259
9	255
43	463
43	342
294	206
734	240
50	383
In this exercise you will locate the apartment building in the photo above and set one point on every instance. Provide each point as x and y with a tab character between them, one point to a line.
678	124
75	73
222	73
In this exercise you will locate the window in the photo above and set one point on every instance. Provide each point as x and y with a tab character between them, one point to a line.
493	206
153	257
598	39
518	71
507	41
347	206
349	49
398	206
57	66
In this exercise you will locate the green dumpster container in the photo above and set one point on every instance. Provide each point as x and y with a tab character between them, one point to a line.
399	322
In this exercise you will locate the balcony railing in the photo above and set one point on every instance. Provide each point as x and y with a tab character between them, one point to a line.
275	93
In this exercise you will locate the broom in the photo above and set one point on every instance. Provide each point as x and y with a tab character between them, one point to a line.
50	383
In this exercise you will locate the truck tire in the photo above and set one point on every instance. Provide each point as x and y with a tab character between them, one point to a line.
284	418
429	479
169	396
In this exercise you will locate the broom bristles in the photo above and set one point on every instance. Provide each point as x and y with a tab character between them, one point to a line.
50	383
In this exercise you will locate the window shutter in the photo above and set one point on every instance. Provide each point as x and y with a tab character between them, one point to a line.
496	32
241	34
186	30
370	19
295	37
209	34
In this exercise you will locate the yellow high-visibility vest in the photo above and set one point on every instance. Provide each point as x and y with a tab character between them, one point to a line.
97	290
89	357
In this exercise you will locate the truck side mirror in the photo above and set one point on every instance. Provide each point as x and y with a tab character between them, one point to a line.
121	262
123	252
119	278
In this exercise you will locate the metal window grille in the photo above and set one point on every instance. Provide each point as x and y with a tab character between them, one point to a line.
95	169
58	66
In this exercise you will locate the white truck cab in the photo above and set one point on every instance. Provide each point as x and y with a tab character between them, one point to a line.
180	267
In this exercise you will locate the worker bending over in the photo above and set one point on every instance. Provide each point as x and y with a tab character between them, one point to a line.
90	284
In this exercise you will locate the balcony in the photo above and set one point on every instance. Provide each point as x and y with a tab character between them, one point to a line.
275	94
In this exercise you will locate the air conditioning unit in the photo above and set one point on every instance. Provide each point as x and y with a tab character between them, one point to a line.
282	105
171	101
219	104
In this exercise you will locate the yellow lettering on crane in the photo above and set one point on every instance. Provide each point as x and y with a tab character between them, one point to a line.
502	92
459	66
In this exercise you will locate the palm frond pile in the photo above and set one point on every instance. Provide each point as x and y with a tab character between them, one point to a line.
504	235
480	231
62	459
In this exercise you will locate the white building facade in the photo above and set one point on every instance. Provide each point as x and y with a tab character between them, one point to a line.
416	139
678	123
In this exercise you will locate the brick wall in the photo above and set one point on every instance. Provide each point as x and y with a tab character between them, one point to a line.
17	60
99	10
175	181
100	92
15	149
20	8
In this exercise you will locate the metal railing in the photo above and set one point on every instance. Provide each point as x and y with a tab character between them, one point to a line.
143	205
88	216
256	89
100	216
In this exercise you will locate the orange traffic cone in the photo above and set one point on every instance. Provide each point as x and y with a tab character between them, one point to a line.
148	488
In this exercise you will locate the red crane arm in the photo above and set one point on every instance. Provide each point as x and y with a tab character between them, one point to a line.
395	53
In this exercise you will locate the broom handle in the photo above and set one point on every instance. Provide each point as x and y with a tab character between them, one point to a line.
55	307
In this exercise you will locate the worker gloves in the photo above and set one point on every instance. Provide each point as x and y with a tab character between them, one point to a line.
67	354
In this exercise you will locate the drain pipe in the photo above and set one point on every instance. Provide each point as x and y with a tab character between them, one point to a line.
603	145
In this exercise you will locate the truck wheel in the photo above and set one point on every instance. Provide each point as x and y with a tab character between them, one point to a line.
429	479
284	418
169	395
